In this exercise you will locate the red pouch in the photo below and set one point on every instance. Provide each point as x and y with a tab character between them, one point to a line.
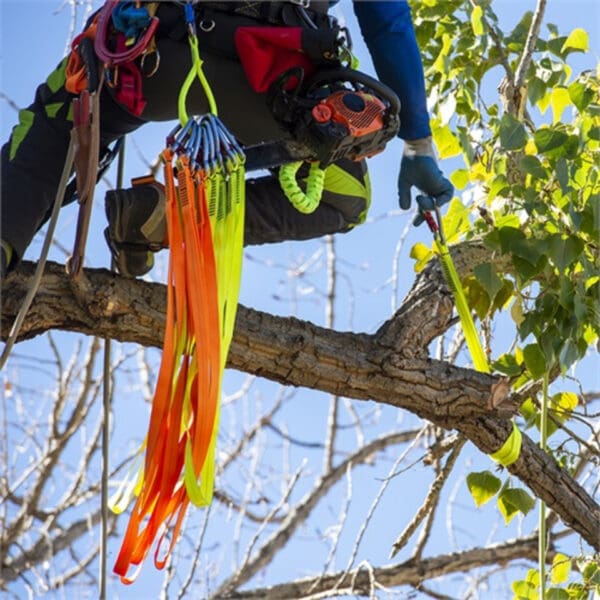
267	52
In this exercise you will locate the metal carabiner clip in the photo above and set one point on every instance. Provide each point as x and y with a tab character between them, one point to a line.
154	52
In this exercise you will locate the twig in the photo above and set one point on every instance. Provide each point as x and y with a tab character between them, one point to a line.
430	502
302	510
532	37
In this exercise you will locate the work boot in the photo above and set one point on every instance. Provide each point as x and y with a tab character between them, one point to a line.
136	227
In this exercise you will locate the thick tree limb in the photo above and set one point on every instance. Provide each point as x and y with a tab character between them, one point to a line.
295	352
412	572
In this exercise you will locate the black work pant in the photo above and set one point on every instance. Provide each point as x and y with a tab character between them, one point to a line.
33	158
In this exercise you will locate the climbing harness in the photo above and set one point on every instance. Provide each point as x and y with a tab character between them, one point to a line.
204	186
510	450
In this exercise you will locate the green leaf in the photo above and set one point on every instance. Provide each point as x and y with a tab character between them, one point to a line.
547	139
512	133
508	365
524	590
512	501
530	412
563	404
460	178
562	174
535	361
514	241
565	250
544	102
483	486
577	41
447	109
486	275
561	568
559	100
531	165
557	594
555	45
456	220
569	354
533	577
505	293
580	95
477	20
422	255
591	572
577	591
446	142
499	185
477	298
536	90
594	133
516	311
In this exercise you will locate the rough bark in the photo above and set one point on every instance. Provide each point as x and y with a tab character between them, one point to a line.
375	367
412	572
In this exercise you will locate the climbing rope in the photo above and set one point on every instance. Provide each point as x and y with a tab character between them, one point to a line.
511	449
106	404
39	270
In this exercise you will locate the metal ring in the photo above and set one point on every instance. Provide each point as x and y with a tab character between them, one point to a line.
206	25
156	65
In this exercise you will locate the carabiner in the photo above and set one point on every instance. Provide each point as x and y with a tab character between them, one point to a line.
154	52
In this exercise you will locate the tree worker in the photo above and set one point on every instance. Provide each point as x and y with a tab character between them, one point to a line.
136	223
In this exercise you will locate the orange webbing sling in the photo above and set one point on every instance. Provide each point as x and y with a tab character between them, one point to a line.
204	187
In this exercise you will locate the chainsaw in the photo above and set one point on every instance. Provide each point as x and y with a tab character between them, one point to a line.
339	113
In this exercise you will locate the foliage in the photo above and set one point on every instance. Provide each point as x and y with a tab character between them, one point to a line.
531	184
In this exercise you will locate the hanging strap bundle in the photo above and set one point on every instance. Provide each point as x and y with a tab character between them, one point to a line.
204	185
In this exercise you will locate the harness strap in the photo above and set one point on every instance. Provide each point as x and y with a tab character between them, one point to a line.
285	12
86	128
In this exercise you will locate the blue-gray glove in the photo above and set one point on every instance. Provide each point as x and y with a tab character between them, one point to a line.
419	168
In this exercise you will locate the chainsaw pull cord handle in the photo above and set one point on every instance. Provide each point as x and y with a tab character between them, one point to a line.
304	202
195	70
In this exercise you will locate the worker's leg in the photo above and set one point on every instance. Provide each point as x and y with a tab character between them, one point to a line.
33	158
270	217
137	228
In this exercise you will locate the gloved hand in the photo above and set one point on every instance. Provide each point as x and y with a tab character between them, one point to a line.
419	168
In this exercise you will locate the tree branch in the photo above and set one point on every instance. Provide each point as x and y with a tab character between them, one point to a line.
298	353
532	37
411	572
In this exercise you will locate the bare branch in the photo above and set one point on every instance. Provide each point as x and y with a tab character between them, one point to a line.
301	511
430	501
411	572
532	37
